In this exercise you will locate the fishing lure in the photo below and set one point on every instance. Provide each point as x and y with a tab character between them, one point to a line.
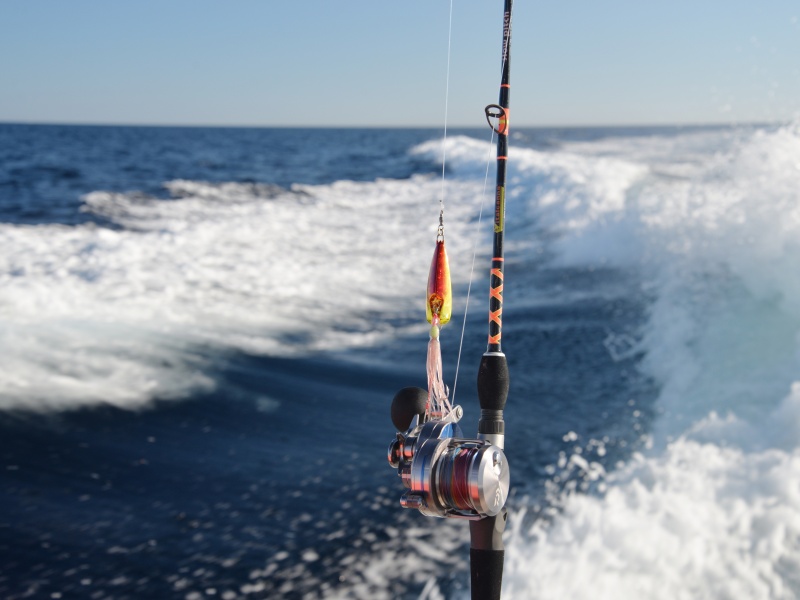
438	308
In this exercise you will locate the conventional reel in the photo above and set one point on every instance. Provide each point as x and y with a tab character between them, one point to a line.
447	474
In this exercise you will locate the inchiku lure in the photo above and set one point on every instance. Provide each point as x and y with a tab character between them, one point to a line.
438	307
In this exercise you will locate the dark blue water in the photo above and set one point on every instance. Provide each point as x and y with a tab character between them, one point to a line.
44	169
226	494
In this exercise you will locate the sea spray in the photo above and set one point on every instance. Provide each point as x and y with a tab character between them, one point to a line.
711	510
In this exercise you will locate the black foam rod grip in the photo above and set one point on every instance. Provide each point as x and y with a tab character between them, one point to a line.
493	385
486	573
493	381
486	556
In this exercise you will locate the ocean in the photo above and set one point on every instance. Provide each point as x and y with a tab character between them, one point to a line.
202	329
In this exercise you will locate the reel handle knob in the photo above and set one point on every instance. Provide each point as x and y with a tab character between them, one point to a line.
406	404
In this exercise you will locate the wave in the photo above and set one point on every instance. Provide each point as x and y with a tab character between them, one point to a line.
138	310
710	510
709	222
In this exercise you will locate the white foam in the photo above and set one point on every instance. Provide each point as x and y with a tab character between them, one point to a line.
90	314
712	510
699	520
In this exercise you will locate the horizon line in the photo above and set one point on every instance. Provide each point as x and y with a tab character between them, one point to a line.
687	124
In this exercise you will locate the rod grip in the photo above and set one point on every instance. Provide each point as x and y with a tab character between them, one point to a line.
486	573
486	555
493	382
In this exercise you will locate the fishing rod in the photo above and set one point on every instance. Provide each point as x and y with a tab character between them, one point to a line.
448	475
486	535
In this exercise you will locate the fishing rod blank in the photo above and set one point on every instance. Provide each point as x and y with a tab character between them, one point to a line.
487	551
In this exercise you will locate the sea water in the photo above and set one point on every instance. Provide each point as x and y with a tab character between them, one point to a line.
202	331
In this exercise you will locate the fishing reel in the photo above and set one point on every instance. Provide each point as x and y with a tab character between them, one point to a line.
447	475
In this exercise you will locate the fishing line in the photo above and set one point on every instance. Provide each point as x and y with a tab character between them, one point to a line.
444	138
472	268
439	299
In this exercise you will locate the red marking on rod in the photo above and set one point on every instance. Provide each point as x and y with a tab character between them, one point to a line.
496	316
497	273
497	293
498	258
502	85
502	158
495	339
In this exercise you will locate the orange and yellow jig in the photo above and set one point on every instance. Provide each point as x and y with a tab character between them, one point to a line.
438	309
439	305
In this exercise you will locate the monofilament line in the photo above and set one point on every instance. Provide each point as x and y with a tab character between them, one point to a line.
472	268
446	104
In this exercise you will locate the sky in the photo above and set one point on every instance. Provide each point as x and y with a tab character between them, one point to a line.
385	62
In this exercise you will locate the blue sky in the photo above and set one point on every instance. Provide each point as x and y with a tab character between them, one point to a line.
383	62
